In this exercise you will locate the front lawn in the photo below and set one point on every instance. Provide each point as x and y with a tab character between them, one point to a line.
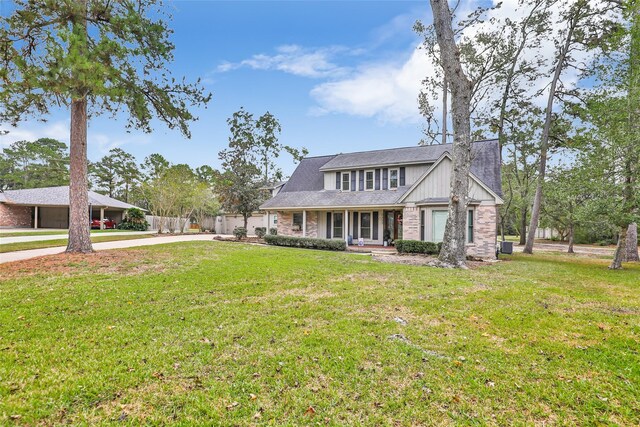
40	244
217	333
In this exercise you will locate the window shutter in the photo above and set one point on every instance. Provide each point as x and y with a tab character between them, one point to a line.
353	180
422	237
329	224
385	179
377	185
355	226
338	180
361	187
374	226
401	176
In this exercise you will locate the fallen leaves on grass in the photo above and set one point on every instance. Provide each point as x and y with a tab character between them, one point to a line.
310	412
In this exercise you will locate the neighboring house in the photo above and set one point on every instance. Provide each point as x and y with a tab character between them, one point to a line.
226	222
403	191
49	208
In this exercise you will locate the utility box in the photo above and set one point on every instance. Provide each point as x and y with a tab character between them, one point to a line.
506	247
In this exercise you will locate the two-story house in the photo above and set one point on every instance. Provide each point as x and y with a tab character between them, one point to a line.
399	193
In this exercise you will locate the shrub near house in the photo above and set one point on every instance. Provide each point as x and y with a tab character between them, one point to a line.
307	243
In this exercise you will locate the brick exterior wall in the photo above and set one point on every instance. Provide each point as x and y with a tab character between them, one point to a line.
15	216
485	229
411	222
285	224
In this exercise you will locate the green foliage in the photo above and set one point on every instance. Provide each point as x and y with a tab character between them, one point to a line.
173	196
240	232
273	231
116	174
34	164
306	242
417	247
113	53
261	232
134	219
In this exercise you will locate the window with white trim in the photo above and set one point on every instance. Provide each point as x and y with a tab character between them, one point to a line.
470	226
368	180
297	221
394	177
346	180
337	225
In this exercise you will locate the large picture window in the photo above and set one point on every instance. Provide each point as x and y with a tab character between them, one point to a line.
368	180
337	225
393	178
365	225
346	179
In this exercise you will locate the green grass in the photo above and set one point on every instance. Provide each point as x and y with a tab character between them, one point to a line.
51	232
215	333
40	244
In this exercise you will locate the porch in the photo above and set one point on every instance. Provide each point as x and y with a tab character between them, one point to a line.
365	225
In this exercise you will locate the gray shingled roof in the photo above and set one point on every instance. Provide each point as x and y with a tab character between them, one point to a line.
57	196
335	198
307	176
305	188
391	156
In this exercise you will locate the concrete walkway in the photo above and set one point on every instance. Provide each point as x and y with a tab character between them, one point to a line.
119	244
20	239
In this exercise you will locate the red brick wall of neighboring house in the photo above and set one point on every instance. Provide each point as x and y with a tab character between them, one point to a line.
15	216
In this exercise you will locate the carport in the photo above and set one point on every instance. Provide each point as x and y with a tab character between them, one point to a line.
49	208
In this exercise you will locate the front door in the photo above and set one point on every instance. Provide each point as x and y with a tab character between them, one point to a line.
397	234
393	223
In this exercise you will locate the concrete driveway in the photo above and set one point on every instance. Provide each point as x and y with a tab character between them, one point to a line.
20	239
119	244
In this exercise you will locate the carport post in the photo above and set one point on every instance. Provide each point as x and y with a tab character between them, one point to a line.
101	218
35	218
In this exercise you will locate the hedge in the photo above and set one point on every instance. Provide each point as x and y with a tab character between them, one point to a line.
307	243
417	247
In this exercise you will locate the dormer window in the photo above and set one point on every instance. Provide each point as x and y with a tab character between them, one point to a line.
368	180
394	175
346	180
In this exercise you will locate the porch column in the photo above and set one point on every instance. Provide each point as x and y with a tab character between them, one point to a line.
304	223
346	226
101	218
35	218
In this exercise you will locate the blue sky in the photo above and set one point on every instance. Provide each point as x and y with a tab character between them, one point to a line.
339	75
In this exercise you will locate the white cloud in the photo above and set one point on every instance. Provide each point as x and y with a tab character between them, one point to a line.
30	132
293	59
387	91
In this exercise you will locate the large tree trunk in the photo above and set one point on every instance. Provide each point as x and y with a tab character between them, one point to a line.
453	251
523	227
544	143
632	243
79	221
621	250
570	250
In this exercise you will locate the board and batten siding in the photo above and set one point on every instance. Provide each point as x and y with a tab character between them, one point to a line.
436	184
412	174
